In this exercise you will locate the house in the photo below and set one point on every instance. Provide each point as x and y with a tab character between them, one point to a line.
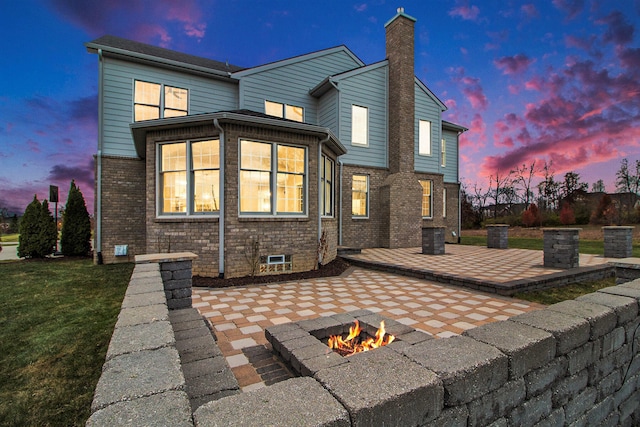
271	168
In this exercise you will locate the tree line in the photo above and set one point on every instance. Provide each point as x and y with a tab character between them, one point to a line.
514	198
39	231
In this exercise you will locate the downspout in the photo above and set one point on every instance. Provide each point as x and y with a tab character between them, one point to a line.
320	191
221	245
459	187
340	206
98	201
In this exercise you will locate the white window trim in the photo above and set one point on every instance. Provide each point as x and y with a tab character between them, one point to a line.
284	109
424	138
162	106
273	185
430	199
366	130
366	216
323	182
444	203
190	186
443	153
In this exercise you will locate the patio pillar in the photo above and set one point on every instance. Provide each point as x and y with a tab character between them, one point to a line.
433	240
618	241
497	236
561	247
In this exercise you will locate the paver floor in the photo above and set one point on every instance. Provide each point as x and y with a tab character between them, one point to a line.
239	315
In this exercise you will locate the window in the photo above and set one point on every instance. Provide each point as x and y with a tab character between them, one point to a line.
424	137
326	186
154	101
443	152
260	193
426	198
444	203
189	178
290	112
360	196
359	125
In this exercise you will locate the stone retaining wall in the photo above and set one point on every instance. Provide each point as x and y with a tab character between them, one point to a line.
575	363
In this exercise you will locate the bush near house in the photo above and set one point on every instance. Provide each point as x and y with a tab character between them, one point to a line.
76	225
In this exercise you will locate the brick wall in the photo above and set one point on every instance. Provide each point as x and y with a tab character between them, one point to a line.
123	208
297	237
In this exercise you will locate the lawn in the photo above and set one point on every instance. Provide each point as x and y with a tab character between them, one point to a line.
56	320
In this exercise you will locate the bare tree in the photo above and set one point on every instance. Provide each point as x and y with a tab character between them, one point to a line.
480	197
497	184
548	188
522	178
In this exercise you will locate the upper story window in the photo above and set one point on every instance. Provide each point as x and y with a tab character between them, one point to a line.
189	178
360	196
155	101
272	178
427	199
443	152
424	138
359	125
285	111
327	166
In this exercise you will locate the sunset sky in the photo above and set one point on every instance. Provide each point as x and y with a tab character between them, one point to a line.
554	80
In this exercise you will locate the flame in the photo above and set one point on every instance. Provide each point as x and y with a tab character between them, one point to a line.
352	344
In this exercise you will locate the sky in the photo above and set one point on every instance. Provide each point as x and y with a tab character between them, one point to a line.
546	81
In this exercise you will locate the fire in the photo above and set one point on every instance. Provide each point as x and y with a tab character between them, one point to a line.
353	343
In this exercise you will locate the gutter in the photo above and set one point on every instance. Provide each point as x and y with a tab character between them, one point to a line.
221	245
98	198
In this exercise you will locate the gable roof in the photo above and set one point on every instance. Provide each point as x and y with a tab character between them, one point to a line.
141	52
299	58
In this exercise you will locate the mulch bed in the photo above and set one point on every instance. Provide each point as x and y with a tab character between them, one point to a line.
334	268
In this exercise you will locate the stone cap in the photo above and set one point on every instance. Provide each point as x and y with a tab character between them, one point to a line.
561	229
496	225
618	227
168	257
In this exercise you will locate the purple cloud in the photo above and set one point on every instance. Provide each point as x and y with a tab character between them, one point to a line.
571	7
516	64
619	30
466	12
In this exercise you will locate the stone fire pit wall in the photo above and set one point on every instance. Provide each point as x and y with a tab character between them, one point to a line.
618	241
572	363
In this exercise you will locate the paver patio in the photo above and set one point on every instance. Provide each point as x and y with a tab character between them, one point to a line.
239	315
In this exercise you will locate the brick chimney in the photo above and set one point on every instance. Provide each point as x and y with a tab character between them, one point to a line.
401	193
401	102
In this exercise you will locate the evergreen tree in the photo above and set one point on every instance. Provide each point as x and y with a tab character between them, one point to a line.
37	231
76	225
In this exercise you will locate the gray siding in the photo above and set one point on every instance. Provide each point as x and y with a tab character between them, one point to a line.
290	82
329	111
205	95
427	109
451	169
366	89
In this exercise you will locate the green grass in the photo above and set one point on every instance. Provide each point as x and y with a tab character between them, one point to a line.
594	247
56	320
552	296
9	238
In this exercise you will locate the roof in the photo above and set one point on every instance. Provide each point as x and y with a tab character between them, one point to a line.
117	46
454	127
247	117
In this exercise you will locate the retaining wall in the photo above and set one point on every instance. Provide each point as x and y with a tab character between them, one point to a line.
575	363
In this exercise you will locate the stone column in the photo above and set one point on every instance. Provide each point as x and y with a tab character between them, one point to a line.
561	247
433	240
175	269
618	242
497	236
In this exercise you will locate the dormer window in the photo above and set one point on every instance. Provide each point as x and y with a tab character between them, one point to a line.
285	111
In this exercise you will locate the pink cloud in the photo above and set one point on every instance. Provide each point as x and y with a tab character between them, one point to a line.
466	12
34	147
474	93
360	7
516	64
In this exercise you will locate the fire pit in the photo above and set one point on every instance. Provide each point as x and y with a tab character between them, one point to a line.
305	345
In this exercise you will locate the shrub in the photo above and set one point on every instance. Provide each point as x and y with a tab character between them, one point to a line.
76	225
531	217
567	217
38	232
605	213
